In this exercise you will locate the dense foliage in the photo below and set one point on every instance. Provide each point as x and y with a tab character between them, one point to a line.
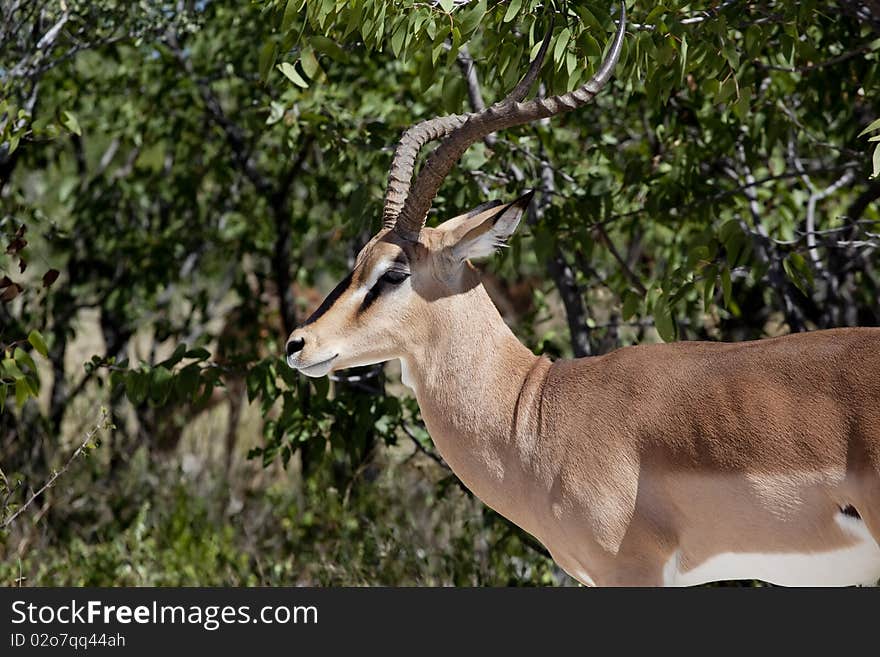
180	182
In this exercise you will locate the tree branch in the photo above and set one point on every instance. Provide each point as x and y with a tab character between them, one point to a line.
762	243
57	473
624	266
232	131
862	201
280	205
816	196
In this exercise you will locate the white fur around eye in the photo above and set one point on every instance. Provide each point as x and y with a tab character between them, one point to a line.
375	274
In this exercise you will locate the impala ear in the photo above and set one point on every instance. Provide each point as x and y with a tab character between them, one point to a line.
479	235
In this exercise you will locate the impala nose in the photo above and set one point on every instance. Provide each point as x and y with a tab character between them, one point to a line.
294	346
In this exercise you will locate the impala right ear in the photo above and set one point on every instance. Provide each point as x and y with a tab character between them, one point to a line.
481	234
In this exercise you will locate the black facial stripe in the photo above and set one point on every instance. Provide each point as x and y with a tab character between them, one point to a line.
375	291
330	300
372	295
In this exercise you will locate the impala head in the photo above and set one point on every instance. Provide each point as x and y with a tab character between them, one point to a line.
396	283
388	301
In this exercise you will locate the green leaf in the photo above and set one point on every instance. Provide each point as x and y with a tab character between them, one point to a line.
309	62
69	121
186	383
10	369
426	73
327	46
512	10
354	18
874	125
798	272
327	7
534	51
728	228
22	392
176	357
631	303
23	358
291	74
730	54
652	296
471	19
725	91
322	388
684	56
453	93
589	45
136	386
570	63
160	384
37	342
734	240
453	48
267	59
209	377
876	162
753	40
743	104
698	255
254	381
681	293
561	44
290	12
726	286
397	39
709	289
446	5
663	321
588	19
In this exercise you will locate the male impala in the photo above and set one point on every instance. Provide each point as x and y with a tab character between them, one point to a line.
658	464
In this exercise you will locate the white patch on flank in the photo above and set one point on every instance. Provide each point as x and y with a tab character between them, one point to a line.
671	570
405	376
856	564
782	494
583	578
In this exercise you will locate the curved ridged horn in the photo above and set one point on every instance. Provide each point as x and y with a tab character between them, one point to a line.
406	206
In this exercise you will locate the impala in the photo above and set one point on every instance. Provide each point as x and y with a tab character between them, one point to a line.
665	464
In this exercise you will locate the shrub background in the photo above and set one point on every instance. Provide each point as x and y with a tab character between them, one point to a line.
182	182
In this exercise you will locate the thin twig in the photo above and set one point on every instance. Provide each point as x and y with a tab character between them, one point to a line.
816	196
57	473
431	455
809	68
630	275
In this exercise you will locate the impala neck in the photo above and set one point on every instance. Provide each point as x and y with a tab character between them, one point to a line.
478	389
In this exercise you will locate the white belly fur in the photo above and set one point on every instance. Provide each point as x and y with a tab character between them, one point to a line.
856	564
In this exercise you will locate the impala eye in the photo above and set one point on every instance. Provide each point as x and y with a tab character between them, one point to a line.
394	276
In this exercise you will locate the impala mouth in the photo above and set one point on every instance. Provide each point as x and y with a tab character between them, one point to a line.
321	368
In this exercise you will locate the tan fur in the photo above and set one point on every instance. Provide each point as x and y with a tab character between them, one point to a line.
622	462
